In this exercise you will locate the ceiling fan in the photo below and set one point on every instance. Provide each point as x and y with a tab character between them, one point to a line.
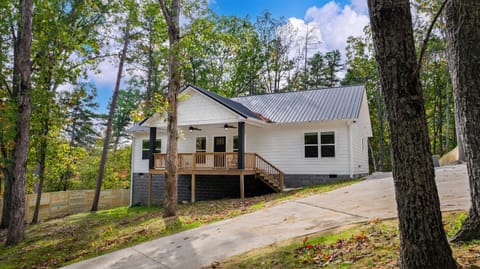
191	129
226	127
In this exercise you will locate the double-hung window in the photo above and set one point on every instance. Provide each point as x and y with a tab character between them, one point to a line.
311	145
327	144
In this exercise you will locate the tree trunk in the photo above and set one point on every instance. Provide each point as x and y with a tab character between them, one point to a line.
41	163
372	155
381	140
463	37
22	72
113	104
423	243
172	17
7	198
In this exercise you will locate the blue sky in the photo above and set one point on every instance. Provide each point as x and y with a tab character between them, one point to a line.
335	22
285	8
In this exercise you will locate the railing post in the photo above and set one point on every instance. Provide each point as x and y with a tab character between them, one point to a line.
194	162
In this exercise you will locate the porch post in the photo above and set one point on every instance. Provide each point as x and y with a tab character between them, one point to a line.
241	145
149	187
242	185
193	188
153	139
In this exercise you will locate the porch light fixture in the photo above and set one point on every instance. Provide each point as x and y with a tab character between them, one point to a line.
226	126
191	129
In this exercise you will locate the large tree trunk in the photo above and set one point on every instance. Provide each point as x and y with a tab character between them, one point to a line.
22	72
423	243
463	37
172	17
108	132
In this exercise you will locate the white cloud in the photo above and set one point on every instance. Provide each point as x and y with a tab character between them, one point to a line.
360	6
105	75
336	24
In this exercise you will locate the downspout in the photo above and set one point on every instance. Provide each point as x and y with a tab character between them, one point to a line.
350	149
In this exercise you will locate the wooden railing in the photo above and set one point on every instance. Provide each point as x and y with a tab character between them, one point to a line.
206	160
223	160
269	170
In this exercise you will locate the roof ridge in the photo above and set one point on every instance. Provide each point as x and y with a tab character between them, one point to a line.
291	92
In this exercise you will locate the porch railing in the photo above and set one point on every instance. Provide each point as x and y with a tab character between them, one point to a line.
224	160
206	160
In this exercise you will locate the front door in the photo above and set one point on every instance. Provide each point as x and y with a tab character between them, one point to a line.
219	145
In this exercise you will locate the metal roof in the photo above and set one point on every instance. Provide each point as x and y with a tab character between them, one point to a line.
303	106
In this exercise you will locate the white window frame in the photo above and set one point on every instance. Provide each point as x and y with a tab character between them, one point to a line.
321	144
310	145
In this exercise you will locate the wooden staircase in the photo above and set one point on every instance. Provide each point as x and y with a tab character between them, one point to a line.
269	174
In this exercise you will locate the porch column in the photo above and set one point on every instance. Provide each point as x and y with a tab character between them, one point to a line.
193	188
241	145
242	185
153	139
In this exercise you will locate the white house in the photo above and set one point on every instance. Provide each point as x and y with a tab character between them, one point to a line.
255	144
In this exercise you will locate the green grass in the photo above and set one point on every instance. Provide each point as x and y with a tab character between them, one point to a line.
371	245
59	242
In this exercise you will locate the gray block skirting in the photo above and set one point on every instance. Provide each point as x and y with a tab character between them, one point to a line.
218	187
297	181
206	188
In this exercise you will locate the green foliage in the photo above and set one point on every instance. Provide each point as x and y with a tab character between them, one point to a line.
117	170
332	67
80	105
128	101
362	70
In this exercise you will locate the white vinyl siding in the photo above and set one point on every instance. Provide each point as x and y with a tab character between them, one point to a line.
361	131
198	109
283	146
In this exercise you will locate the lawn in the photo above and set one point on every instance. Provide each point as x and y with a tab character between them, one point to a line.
62	241
371	245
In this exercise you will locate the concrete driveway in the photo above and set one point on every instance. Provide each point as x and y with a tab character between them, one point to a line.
372	198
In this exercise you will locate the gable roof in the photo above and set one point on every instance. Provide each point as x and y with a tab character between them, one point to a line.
340	103
228	103
304	106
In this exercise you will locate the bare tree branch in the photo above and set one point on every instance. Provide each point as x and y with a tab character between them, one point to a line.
427	38
165	11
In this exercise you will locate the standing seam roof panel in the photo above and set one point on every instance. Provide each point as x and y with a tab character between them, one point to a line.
304	106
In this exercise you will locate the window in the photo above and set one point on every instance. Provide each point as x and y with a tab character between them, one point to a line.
311	145
327	140
146	148
235	144
201	144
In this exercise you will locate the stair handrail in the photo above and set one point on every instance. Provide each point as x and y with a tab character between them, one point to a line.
270	168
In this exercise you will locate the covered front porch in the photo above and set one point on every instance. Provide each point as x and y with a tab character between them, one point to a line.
222	163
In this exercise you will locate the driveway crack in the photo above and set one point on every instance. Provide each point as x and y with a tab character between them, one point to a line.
150	258
331	209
